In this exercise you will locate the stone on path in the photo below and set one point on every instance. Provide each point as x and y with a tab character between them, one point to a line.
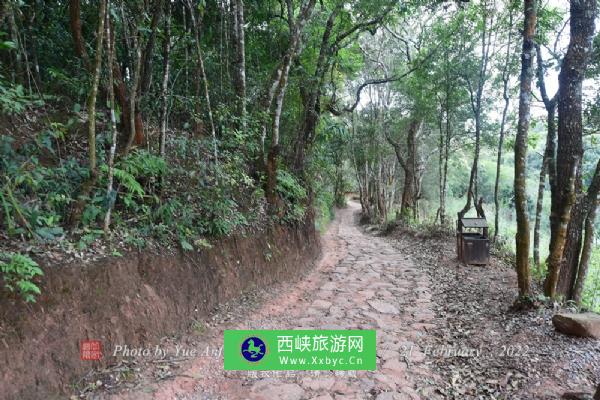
323	397
363	283
319	383
585	325
389	396
273	391
383	307
321	304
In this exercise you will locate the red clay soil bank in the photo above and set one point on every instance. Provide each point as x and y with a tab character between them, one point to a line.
134	300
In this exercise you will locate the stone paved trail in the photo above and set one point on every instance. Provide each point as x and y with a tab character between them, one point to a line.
362	282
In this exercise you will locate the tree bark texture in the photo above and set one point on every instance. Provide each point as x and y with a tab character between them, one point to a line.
520	184
570	149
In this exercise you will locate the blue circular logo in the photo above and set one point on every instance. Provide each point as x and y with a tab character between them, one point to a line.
253	349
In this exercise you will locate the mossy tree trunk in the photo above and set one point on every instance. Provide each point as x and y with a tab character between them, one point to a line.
567	236
520	184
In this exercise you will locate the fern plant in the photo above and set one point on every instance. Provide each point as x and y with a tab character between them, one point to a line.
18	272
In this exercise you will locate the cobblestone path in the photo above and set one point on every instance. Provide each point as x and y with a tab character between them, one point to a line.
361	282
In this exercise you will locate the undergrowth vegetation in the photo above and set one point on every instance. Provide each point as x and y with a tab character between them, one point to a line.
183	200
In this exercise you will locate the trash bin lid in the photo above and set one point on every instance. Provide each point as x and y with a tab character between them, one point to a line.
474	222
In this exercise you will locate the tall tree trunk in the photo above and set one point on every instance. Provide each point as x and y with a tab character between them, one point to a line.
280	86
120	87
30	47
476	95
442	206
111	194
445	170
446	146
274	148
520	185
546	162
164	95
91	101
570	143
75	24
148	52
578	256
499	157
311	95
586	253
134	114
505	81
88	185
409	164
573	243
203	78
549	158
18	70
239	59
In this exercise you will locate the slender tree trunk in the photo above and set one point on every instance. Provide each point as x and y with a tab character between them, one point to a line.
204	79
408	206
446	156
573	243
111	194
442	208
87	186
91	101
185	50
591	204
549	158
80	50
476	95
131	118
546	161
586	253
499	158
570	142
18	73
165	81
75	24
520	185
505	81
30	47
133	91
311	95
560	237
148	54
239	76
280	85
274	148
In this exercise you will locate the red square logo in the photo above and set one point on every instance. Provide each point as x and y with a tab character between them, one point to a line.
90	350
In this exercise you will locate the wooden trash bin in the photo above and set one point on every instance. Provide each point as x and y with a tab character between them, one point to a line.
472	241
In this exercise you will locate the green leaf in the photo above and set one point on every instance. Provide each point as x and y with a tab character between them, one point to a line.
8	45
186	245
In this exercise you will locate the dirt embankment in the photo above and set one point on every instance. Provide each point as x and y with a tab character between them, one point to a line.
134	300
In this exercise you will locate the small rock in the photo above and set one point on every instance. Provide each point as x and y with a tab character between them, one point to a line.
383	307
323	397
581	325
287	391
321	304
386	396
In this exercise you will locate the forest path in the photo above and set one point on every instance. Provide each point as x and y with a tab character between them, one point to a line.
361	282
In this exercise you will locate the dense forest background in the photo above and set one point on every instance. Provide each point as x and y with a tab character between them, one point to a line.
172	123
